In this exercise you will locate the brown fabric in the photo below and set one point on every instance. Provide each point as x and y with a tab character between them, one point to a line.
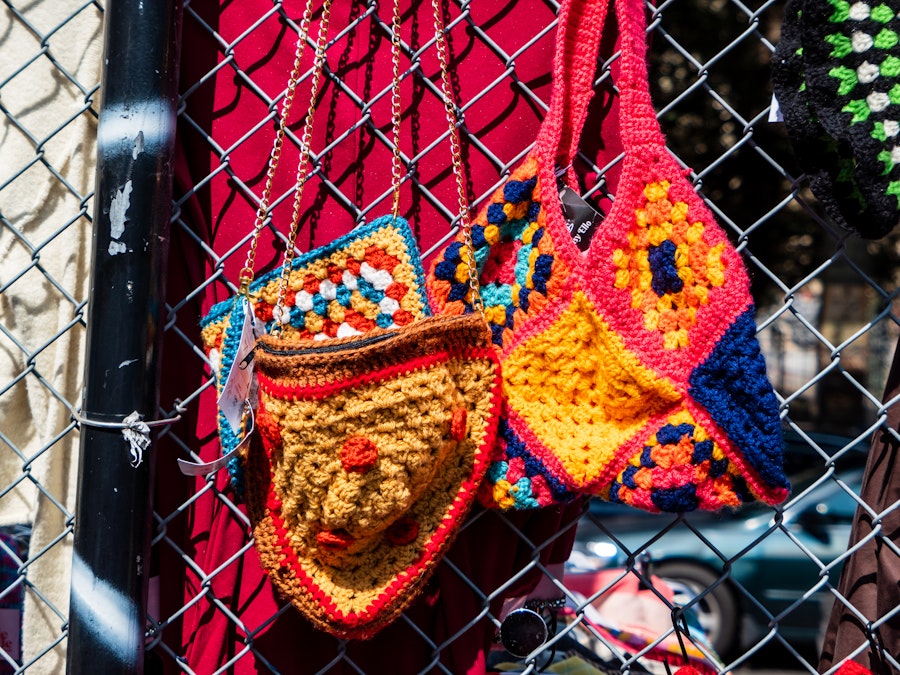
870	582
306	363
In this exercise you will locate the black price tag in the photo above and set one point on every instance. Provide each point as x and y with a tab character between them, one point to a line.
581	218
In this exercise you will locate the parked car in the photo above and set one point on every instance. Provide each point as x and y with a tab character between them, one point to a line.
745	571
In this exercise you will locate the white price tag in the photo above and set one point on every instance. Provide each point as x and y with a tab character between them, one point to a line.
240	377
775	111
206	468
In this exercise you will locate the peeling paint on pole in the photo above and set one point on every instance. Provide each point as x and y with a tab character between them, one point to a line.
132	211
118	211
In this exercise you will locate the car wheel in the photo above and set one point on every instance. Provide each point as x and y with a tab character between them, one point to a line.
717	611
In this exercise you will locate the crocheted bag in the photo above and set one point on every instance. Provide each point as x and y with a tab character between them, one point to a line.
630	371
373	422
836	74
372	452
828	164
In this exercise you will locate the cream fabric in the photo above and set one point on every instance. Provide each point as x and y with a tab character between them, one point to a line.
44	257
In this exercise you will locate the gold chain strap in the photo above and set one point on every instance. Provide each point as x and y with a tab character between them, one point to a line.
303	166
396	110
465	222
281	315
246	275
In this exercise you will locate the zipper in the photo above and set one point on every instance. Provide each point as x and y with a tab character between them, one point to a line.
326	348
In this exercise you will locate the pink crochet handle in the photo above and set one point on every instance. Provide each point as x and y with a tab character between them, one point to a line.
580	30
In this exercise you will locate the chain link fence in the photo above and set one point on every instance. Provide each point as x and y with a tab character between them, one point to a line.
826	311
49	82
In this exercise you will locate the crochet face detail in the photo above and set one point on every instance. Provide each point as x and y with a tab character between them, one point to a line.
367	480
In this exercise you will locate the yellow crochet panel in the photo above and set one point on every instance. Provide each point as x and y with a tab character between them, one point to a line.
581	391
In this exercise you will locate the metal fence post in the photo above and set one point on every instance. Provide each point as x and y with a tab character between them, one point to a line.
132	205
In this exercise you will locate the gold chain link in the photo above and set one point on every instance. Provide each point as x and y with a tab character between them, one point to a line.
396	110
280	313
465	222
246	274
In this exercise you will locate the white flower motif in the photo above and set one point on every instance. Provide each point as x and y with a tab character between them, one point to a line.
861	42
303	301
380	279
215	360
867	72
328	289
281	315
877	101
346	330
895	154
349	280
891	128
859	11
388	305
320	336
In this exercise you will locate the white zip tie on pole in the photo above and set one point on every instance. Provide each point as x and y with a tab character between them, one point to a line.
137	433
134	430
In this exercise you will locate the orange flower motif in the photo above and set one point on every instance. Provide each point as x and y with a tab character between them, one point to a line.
668	266
358	454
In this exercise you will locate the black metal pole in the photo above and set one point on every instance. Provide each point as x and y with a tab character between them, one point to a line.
132	207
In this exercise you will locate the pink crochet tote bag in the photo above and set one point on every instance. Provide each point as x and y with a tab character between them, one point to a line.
631	370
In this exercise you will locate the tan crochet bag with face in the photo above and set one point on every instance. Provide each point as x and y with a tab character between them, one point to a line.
371	453
368	450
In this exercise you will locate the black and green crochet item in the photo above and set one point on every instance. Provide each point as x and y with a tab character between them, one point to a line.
836	74
830	172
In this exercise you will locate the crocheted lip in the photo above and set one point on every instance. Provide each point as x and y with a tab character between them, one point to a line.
371	454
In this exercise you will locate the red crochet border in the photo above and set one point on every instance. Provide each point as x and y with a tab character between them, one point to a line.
320	391
355	625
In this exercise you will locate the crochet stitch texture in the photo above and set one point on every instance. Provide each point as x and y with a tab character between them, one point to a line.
371	455
369	279
837	75
828	164
858	88
631	371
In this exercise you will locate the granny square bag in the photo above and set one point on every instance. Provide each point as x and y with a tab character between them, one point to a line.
631	371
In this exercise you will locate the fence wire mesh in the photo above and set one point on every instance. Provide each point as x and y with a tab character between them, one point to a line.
49	81
762	585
